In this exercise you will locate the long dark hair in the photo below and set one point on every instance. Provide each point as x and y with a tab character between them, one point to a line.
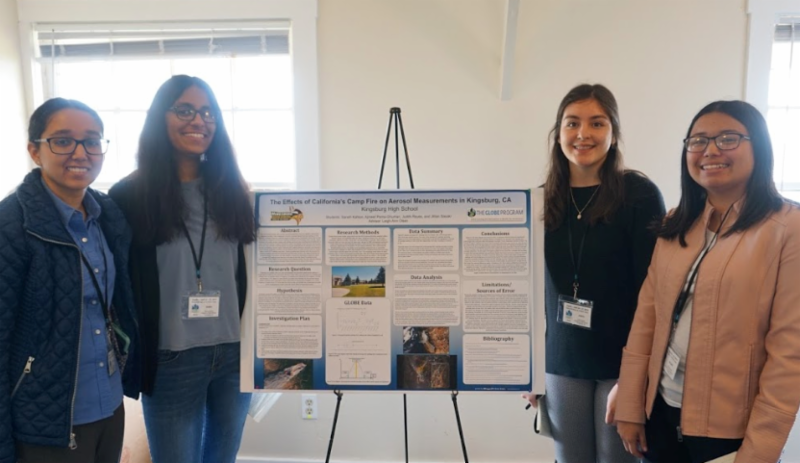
41	117
159	206
761	196
556	187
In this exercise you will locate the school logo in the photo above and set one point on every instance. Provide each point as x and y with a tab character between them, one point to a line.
471	213
293	214
195	307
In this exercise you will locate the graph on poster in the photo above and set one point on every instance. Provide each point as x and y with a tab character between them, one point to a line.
355	368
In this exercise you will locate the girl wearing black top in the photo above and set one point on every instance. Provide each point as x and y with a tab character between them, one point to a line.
597	249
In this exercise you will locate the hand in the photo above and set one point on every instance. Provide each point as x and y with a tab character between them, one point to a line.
534	402
611	406
633	438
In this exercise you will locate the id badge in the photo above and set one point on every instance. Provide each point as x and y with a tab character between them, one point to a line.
111	356
200	304
112	362
671	363
575	312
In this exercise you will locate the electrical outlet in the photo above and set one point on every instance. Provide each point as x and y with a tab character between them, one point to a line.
308	406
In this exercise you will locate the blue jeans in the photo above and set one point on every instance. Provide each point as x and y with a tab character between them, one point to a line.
196	413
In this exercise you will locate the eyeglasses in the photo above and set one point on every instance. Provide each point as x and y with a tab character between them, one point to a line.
724	141
187	113
68	145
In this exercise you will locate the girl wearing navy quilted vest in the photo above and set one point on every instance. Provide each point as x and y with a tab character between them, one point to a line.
68	330
191	214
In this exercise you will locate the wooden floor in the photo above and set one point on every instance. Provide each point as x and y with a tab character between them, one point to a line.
134	446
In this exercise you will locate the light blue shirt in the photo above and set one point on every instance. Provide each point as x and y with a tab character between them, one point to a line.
98	395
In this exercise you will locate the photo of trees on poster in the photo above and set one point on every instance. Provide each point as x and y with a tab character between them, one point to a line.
359	281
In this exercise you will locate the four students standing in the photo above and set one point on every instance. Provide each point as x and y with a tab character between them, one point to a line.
78	281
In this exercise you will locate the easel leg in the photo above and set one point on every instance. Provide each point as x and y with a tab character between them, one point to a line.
454	395
405	423
405	148
339	395
386	147
396	151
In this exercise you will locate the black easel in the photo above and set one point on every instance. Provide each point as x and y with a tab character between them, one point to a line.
339	395
394	118
454	395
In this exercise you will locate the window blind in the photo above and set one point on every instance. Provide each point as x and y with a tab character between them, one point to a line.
132	43
787	31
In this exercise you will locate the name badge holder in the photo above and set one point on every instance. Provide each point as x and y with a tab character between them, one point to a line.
671	363
575	312
203	303
572	310
200	304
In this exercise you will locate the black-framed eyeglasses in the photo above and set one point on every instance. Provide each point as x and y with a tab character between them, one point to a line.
187	113
68	145
724	141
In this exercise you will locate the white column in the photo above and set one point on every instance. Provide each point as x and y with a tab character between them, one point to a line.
14	115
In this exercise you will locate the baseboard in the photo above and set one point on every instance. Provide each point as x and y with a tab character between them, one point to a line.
274	460
277	460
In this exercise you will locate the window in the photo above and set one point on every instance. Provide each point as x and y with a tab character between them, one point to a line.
117	70
773	82
783	114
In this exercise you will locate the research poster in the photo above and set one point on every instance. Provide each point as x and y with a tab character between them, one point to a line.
392	291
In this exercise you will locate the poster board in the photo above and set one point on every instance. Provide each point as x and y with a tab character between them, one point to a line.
395	291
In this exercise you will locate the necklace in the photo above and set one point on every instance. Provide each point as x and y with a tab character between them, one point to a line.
580	210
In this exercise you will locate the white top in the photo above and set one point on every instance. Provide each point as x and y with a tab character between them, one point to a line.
671	389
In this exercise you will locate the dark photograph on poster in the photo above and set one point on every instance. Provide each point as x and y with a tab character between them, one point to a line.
421	372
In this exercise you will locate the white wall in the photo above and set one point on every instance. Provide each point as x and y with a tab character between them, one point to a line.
13	115
439	60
